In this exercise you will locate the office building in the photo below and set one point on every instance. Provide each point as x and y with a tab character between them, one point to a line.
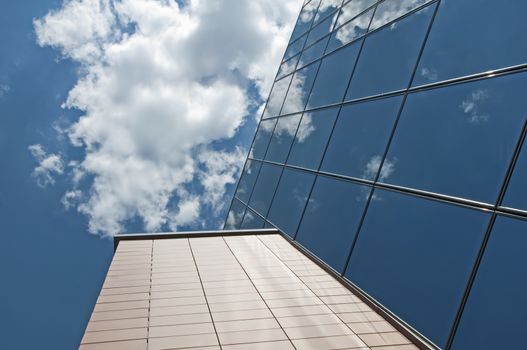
383	203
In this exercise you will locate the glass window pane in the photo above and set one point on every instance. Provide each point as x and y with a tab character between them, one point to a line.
282	139
251	221
465	134
312	137
494	316
312	53
350	31
235	216
290	200
300	88
332	216
415	257
516	195
319	31
473	36
352	9
333	76
276	97
247	179
264	188
287	67
261	140
360	138
326	8
295	47
389	56
389	10
305	18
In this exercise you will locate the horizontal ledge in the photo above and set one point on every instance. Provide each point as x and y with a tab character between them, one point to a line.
189	234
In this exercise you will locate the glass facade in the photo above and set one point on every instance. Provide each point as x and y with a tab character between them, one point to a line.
392	147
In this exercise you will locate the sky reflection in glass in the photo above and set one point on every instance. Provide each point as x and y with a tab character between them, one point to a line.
330	222
415	256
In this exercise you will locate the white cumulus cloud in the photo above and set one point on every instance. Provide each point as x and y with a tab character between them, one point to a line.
161	85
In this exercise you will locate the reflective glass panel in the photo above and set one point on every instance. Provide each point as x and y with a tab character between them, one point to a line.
287	67
352	9
333	76
350	31
295	47
305	19
282	139
290	199
494	316
389	56
300	88
312	137
473	36
415	257
235	216
389	10
312	53
276	97
251	221
516	195
261	140
320	30
247	179
330	222
264	188
360	138
465	135
326	8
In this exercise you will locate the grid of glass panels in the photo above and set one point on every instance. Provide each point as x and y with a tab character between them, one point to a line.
392	147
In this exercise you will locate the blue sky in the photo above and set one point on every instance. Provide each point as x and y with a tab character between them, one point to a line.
124	116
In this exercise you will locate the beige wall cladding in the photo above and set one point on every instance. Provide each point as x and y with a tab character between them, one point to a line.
229	292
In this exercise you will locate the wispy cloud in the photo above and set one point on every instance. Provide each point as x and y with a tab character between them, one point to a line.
4	89
472	108
48	166
160	85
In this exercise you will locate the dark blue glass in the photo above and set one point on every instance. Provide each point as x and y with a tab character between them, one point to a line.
360	138
326	8
516	195
333	76
352	9
235	216
282	139
290	199
312	53
303	23
247	179
295	47
459	140
276	97
494	316
312	137
287	67
319	31
332	216
261	140
415	256
350	31
389	56
300	87
473	36
389	10
264	188
251	221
